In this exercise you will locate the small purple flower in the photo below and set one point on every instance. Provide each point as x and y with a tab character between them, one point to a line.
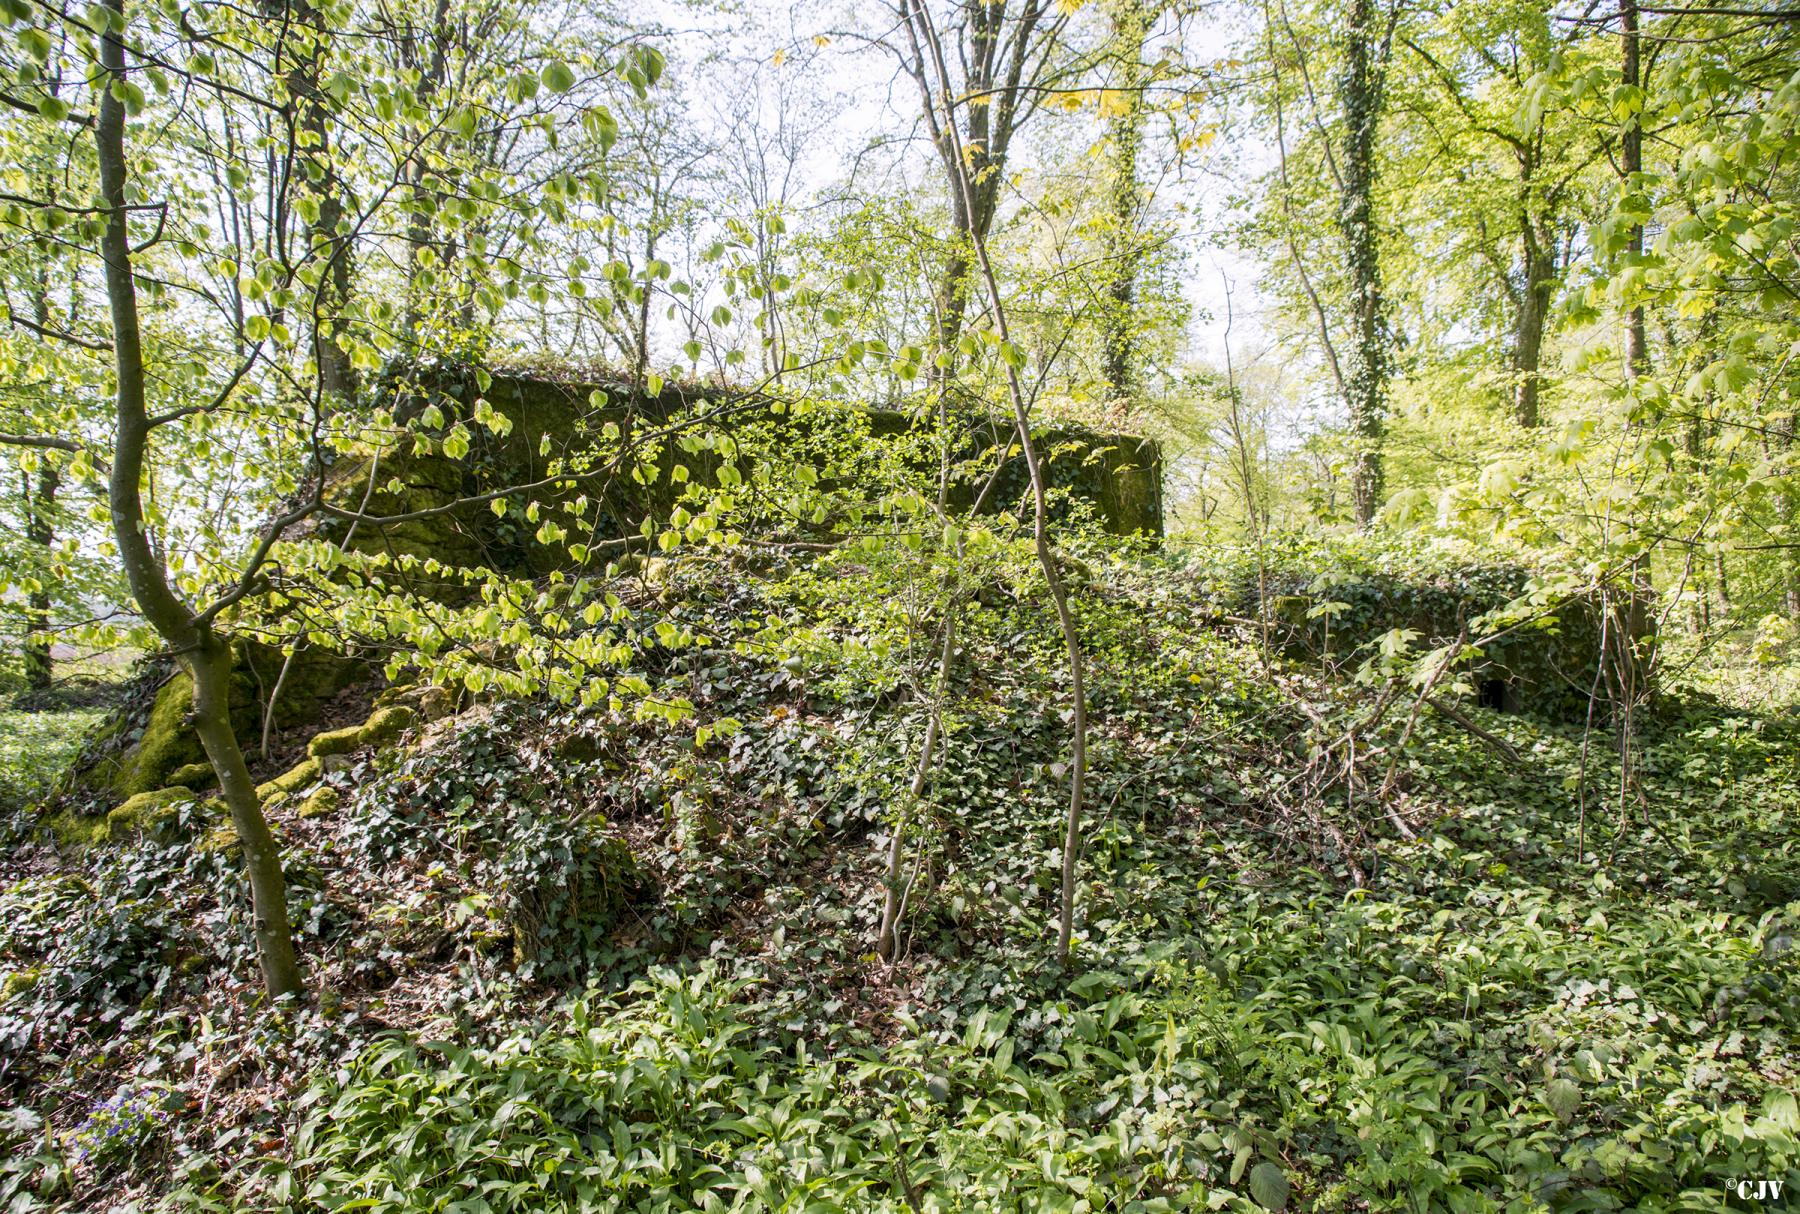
121	1123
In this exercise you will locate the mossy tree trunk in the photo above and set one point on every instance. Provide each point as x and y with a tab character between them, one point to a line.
189	634
1537	252
1131	25
330	298
1366	378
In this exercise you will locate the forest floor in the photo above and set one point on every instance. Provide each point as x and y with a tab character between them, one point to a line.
570	961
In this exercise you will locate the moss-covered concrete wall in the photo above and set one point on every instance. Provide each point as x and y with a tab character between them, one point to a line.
1117	480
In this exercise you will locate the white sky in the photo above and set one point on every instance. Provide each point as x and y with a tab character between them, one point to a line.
855	96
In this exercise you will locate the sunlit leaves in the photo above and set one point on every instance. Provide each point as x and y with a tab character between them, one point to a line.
558	77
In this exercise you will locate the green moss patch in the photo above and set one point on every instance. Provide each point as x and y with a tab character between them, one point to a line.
222	840
336	742
322	802
18	982
382	727
147	812
167	743
76	831
289	782
192	775
386	724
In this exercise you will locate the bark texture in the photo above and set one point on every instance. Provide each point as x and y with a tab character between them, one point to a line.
206	655
1369	355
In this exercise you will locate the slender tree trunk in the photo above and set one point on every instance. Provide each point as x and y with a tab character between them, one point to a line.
433	66
952	307
1534	304
1046	556
40	531
640	336
1631	163
1130	28
999	46
887	939
1694	571
1367	375
206	656
1787	505
1632	665
210	665
40	521
330	296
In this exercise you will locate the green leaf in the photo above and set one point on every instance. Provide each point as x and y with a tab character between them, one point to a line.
129	95
36	43
1269	1186
558	77
1563	1097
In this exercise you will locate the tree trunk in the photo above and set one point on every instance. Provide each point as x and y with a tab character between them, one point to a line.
1130	27
1631	163
1534	306
887	938
40	532
330	296
1633	665
206	656
952	304
1366	380
1787	506
999	48
40	522
210	664
1046	556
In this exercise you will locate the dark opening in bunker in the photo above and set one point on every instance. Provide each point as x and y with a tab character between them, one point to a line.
1501	695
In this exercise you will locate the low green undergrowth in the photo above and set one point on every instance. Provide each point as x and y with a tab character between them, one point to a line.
1496	1024
35	747
576	961
1525	1052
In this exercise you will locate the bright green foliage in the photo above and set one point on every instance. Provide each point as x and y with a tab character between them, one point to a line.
1484	1025
668	1101
35	747
1493	1016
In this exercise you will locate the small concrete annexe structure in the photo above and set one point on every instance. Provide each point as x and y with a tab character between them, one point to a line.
1547	664
553	421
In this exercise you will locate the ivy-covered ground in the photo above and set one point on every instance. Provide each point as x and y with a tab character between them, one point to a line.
570	962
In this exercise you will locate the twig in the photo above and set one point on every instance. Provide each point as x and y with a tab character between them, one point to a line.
1500	746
